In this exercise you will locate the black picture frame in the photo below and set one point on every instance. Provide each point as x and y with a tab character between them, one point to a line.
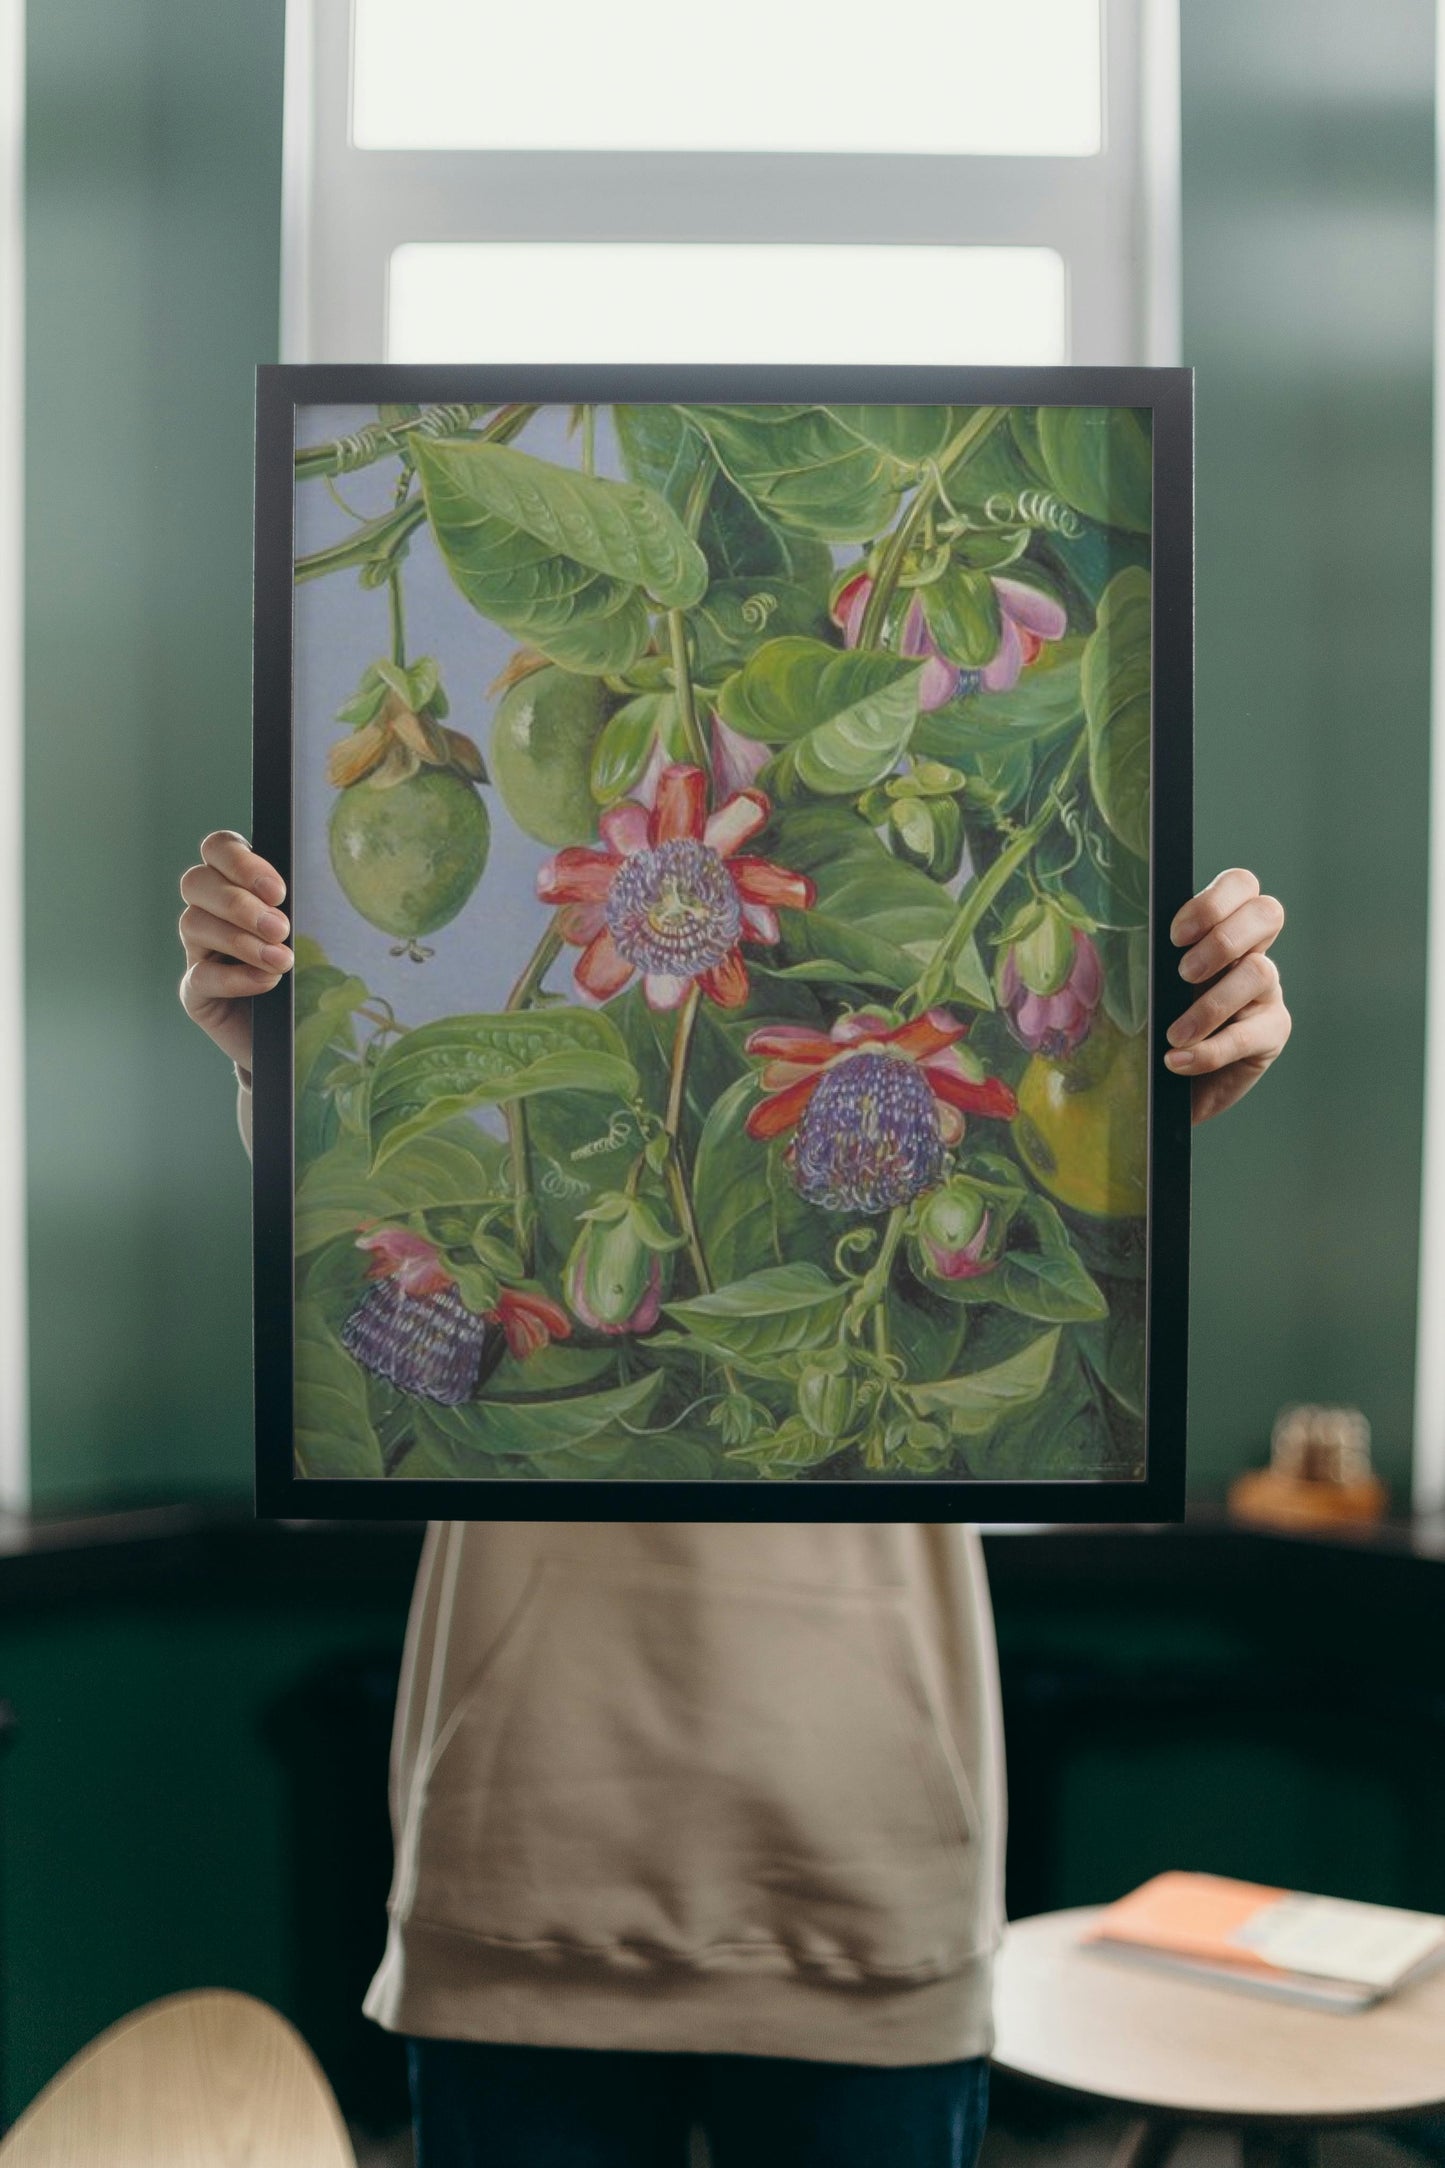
1157	1496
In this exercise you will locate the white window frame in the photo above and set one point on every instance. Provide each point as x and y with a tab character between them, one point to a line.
14	1329
1112	217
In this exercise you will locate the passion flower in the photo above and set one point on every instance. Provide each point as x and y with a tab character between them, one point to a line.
668	897
1027	618
413	1328
874	1103
1050	980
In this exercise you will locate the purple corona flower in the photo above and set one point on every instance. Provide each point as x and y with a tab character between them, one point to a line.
412	1327
1051	1011
1027	618
427	1344
671	895
874	1104
869	1137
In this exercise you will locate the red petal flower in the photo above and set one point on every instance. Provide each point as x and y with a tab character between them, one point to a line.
781	1111
668	898
762	882
577	876
681	808
797	1058
727	982
602	970
529	1321
733	823
409	1259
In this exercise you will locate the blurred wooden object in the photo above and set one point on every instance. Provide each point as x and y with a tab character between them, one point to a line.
1182	2052
207	2080
1319	1473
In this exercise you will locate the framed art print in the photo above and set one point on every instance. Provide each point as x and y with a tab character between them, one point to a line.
731	821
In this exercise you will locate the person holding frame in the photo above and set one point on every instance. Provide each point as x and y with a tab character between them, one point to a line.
702	1825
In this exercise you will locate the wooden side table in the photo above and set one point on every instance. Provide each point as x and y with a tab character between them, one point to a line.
1180	2052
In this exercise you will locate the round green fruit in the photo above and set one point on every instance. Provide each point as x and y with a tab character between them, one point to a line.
408	856
1083	1124
543	736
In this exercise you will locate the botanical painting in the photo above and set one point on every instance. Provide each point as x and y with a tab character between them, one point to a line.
721	890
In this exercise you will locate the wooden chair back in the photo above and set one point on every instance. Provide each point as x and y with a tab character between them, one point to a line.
205	2080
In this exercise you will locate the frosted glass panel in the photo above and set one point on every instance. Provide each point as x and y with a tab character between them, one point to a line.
1009	78
559	301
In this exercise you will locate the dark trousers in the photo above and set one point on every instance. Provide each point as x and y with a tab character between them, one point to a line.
481	2106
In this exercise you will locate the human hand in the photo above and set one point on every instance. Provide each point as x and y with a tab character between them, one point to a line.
234	939
1227	1038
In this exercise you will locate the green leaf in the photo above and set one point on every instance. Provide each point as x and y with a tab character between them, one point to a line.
1117	1345
1126	976
563	560
913	434
963	614
661	449
736	616
860	883
367	701
423	685
802	468
1100	460
1062	1435
823	950
455	1164
786	1450
331	1001
491	1427
324	1044
1115	679
1046	698
1049	1283
334	1433
749	1211
846	717
625	746
773	1312
990	549
739	544
972	1405
556	1368
442	1069
1109	882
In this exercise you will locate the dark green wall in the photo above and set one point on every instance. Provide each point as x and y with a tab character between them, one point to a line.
1308	235
160	1814
153	239
153	176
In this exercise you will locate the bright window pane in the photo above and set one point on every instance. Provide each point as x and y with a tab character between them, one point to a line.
1009	78
492	301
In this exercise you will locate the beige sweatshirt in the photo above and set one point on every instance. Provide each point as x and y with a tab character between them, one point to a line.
697	1787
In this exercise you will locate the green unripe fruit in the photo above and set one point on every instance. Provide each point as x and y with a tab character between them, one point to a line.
409	855
543	735
1083	1124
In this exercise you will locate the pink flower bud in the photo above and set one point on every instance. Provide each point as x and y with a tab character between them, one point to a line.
1056	1021
953	1232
